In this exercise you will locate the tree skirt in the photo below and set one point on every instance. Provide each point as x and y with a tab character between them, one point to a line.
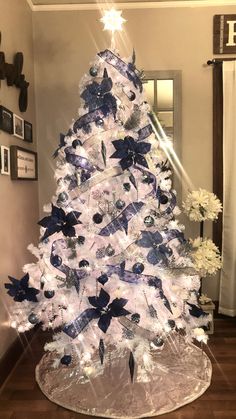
181	374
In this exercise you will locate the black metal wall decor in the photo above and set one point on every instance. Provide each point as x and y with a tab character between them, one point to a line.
14	77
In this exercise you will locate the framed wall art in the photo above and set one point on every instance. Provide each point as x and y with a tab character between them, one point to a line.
24	164
5	160
18	126
6	120
28	132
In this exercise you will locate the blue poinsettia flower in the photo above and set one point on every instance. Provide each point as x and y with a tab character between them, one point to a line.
98	95
158	251
19	289
130	152
60	221
105	311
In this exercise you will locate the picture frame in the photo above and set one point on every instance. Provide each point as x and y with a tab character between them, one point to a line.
6	120
5	160
28	132
24	163
18	126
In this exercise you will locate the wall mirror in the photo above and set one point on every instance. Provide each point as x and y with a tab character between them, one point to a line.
163	90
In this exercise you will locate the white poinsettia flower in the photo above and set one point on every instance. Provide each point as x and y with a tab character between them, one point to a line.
200	335
206	256
202	205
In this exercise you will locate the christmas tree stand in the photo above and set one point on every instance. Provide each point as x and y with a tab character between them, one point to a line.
181	373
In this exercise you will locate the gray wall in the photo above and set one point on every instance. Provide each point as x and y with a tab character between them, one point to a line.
19	199
164	39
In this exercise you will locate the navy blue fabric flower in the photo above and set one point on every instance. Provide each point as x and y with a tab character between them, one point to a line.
60	221
98	95
158	252
104	311
20	290
130	152
196	311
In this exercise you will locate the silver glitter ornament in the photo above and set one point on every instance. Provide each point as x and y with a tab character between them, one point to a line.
135	318
49	294
62	197
120	204
99	122
33	319
158	342
110	251
131	95
93	71
149	221
101	253
66	360
138	268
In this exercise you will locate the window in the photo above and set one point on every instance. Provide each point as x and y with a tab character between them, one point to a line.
164	93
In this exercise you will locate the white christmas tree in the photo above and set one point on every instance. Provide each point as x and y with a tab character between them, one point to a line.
113	268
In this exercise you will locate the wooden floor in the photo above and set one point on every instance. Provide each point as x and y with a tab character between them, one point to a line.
20	397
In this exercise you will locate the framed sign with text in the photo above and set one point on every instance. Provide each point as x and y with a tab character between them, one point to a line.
224	34
24	164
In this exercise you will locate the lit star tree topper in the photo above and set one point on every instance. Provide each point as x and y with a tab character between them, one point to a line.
112	20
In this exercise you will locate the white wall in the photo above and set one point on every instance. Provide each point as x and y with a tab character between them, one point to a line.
19	199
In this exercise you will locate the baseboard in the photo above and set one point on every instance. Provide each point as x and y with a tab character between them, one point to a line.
12	355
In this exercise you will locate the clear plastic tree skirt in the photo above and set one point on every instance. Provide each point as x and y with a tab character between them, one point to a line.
181	373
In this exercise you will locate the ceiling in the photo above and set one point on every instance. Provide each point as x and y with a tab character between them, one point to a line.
50	5
68	2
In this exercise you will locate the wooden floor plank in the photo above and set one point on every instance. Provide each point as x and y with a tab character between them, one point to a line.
20	397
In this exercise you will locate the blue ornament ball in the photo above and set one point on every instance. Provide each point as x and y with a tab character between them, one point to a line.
138	268
102	279
33	319
83	263
93	71
147	179
66	360
56	261
97	218
75	143
120	204
131	95
49	294
163	199
169	251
